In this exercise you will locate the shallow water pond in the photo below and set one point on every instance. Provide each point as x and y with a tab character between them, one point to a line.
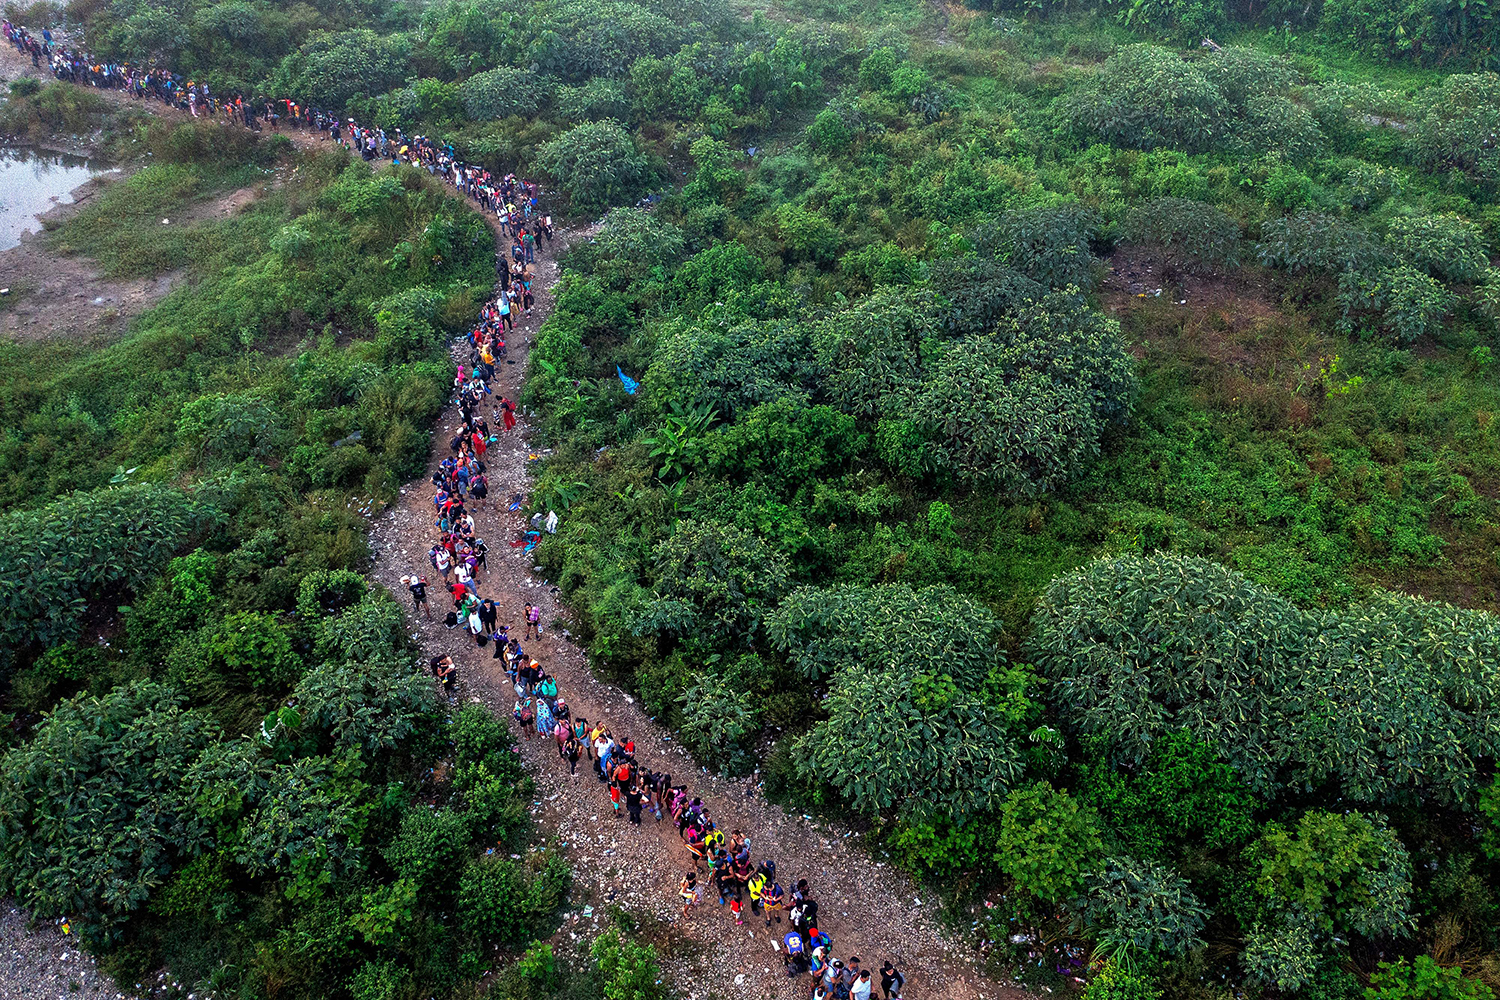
31	182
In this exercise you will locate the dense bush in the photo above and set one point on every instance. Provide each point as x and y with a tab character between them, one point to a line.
55	560
1188	235
597	165
1024	410
1140	647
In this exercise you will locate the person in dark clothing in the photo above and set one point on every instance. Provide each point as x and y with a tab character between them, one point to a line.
891	980
418	587
633	803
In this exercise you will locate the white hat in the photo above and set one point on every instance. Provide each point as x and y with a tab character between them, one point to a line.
406	579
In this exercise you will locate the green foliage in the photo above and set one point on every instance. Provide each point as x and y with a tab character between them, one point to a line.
727	578
1339	874
1312	241
828	133
1137	909
827	632
1423	979
504	92
718	721
1023	411
95	815
873	352
502	901
334	66
897	737
1459	121
254	647
1115	982
1445	246
1188	235
597	165
1401	302
56	559
627	968
877	68
430	847
1146	97
1139	647
1049	245
1046	841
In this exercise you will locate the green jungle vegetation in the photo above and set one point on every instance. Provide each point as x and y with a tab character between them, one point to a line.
1162	622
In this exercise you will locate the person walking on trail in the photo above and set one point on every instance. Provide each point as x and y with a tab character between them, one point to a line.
533	621
508	413
633	804
688	890
418	587
891	981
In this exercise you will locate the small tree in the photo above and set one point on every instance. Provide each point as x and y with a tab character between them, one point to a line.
1046	840
1186	235
1141	908
597	165
627	969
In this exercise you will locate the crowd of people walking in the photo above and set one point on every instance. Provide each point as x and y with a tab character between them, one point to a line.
723	867
514	202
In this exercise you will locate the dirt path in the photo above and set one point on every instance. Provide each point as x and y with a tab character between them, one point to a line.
868	908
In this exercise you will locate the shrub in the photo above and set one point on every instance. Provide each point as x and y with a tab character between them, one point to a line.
728	576
975	294
626	968
1445	246
1460	119
1046	840
872	352
827	631
48	580
1401	301
597	99
897	737
1187	235
1341	873
505	91
876	69
111	764
1313	241
1146	97
1140	647
1023	411
325	591
253	648
1423	979
597	165
1049	245
1140	908
1115	982
331	67
718	720
828	133
430	847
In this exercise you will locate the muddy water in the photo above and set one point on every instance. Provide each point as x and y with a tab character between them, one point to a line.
32	181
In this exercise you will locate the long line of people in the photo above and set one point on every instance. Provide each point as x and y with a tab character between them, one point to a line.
541	710
459	556
513	201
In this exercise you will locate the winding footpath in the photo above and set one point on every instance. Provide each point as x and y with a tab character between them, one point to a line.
868	908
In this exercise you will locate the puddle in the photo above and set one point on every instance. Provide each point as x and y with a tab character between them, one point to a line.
31	182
